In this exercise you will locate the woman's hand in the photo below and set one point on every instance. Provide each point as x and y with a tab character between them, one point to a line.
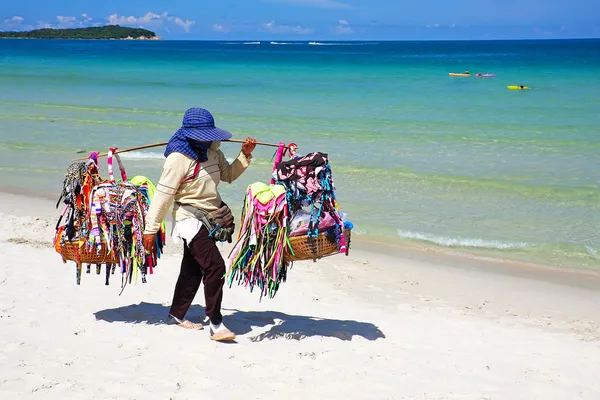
149	240
248	146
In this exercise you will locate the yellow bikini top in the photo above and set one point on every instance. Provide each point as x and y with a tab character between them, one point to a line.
264	193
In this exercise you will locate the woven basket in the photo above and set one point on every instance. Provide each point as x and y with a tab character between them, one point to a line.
324	247
72	252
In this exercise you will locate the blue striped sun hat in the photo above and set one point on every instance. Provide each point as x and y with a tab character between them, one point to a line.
199	124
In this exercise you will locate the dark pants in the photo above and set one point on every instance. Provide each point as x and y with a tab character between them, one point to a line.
201	259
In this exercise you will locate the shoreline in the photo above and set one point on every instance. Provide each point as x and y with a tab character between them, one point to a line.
582	255
414	317
575	277
366	246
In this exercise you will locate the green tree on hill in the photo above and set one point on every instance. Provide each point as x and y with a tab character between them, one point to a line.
101	32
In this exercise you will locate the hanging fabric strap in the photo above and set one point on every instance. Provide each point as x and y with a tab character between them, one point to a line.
278	158
112	152
94	157
292	150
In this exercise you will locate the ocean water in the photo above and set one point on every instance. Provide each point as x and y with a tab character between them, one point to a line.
417	156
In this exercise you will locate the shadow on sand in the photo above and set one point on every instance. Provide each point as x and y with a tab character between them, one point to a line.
295	327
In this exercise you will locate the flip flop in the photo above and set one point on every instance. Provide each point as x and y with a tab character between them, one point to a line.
185	324
224	335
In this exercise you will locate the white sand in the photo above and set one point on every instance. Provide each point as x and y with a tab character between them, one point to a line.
370	326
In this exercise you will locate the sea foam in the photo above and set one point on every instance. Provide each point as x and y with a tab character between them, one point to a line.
447	241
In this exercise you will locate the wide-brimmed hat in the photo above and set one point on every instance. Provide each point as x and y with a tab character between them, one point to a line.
199	124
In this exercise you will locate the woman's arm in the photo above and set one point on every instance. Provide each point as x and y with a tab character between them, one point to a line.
175	168
230	172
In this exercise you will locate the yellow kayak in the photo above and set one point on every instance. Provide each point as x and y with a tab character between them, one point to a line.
455	74
515	87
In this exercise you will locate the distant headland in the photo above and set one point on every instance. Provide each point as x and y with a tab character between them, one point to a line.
107	32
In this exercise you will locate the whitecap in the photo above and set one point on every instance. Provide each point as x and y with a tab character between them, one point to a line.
447	241
142	155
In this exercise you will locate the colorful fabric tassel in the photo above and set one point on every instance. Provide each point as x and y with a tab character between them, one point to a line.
257	258
107	216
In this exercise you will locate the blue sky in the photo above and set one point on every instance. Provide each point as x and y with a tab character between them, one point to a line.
318	19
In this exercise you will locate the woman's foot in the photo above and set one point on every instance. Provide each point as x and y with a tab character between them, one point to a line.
220	333
184	323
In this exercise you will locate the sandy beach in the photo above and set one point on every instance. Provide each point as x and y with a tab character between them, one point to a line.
384	323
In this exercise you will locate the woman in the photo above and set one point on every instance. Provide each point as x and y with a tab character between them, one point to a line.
192	171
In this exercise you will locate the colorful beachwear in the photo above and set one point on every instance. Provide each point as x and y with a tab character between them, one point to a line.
309	183
258	257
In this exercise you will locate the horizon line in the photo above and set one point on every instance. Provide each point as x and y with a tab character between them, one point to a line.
379	40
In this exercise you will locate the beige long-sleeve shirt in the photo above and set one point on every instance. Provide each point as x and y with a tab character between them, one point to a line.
200	192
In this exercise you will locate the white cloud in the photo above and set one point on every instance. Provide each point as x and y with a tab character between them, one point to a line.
66	21
186	25
44	25
343	27
121	20
14	23
274	27
14	20
151	20
219	28
313	3
432	26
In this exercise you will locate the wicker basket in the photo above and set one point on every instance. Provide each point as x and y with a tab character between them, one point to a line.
70	251
325	247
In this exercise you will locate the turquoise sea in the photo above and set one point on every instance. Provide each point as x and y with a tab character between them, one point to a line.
417	156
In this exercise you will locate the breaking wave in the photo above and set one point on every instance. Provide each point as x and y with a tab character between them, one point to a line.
447	241
142	155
